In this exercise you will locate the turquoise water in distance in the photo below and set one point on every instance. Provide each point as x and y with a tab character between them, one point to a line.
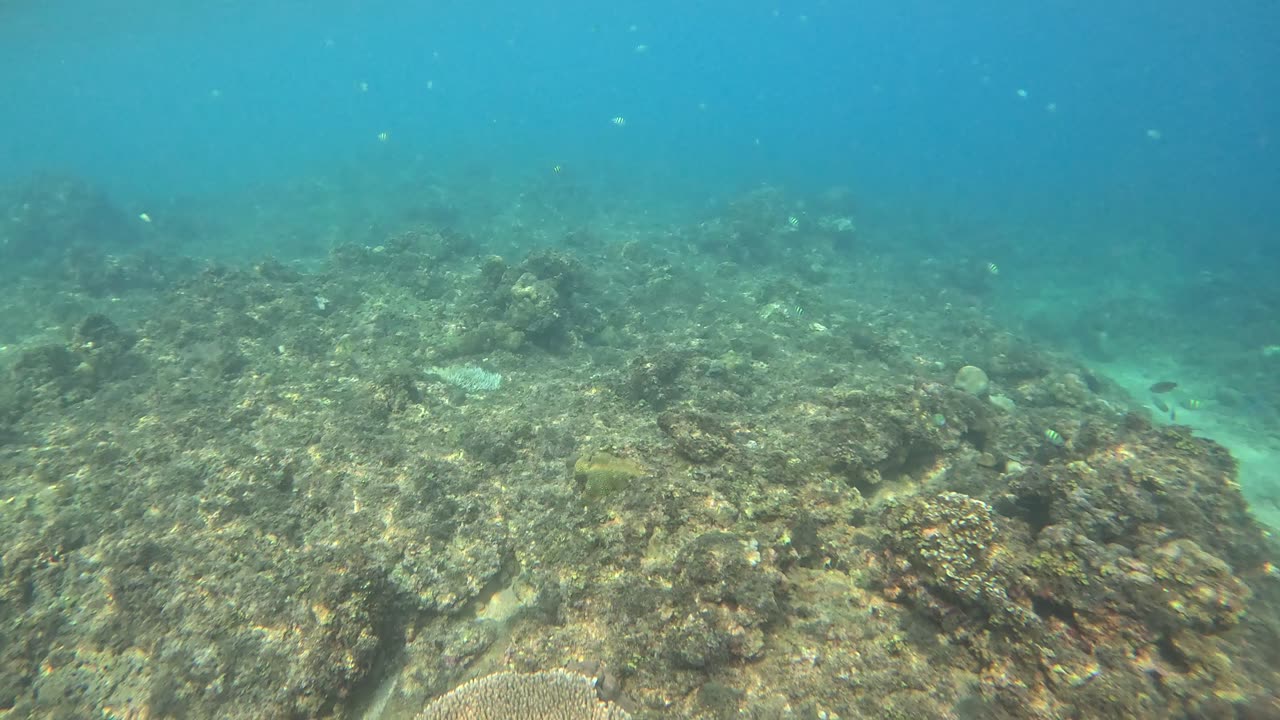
1058	109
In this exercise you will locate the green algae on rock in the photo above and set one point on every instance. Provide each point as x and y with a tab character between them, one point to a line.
603	474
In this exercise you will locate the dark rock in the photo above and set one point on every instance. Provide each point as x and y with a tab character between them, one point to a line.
728	597
654	380
697	436
395	392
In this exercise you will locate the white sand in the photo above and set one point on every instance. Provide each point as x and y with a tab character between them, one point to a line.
1254	448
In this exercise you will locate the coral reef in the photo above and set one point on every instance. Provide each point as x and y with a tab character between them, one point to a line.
1106	561
726	460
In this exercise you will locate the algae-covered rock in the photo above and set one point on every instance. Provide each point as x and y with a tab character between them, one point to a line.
726	595
602	474
1192	588
972	380
43	365
534	305
698	437
654	379
484	338
392	393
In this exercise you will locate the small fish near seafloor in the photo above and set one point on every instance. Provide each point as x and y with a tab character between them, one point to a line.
1163	386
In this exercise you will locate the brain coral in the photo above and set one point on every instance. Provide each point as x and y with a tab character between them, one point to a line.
550	695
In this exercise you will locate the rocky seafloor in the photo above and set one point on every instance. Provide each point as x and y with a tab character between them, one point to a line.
722	467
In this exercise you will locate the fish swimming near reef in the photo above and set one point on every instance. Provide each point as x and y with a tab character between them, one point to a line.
1163	386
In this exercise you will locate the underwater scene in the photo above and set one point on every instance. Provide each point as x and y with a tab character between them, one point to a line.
386	360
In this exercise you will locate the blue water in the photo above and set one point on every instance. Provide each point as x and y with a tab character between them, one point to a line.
1163	108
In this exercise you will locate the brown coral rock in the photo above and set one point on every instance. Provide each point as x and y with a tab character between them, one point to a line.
1196	589
549	695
